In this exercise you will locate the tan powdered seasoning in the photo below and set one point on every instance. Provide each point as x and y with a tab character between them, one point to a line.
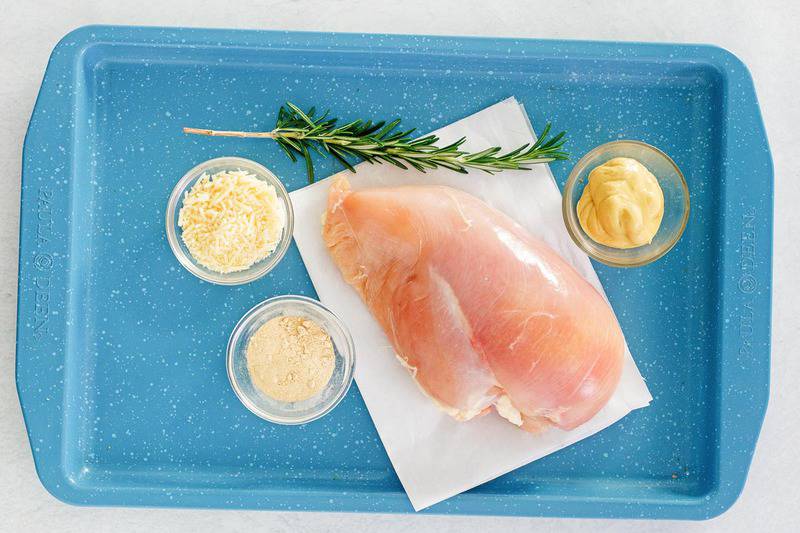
290	358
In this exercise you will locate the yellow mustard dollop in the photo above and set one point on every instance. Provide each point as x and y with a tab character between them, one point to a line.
622	205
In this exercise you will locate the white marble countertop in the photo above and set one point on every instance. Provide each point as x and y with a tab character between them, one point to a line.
763	34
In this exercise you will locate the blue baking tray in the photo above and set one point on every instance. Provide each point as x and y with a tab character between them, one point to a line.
120	351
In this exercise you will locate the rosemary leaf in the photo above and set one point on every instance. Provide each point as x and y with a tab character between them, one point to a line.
287	150
309	164
339	157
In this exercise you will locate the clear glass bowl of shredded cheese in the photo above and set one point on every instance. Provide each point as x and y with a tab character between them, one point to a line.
259	387
229	220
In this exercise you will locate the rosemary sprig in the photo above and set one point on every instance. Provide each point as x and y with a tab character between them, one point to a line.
298	133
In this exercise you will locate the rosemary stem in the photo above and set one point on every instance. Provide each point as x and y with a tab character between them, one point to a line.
226	133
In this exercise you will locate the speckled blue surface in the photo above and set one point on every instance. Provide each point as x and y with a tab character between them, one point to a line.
120	362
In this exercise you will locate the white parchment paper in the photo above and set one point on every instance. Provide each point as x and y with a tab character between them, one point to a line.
434	456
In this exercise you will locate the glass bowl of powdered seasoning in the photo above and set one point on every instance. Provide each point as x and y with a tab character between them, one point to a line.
290	360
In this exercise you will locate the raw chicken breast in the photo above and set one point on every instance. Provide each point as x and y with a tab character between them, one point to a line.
481	313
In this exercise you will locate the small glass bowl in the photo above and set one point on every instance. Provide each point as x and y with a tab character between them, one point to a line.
676	203
180	250
290	413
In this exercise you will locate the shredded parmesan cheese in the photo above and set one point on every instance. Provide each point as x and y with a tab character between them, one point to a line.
231	220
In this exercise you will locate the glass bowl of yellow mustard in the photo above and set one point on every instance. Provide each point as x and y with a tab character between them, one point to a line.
290	360
626	203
